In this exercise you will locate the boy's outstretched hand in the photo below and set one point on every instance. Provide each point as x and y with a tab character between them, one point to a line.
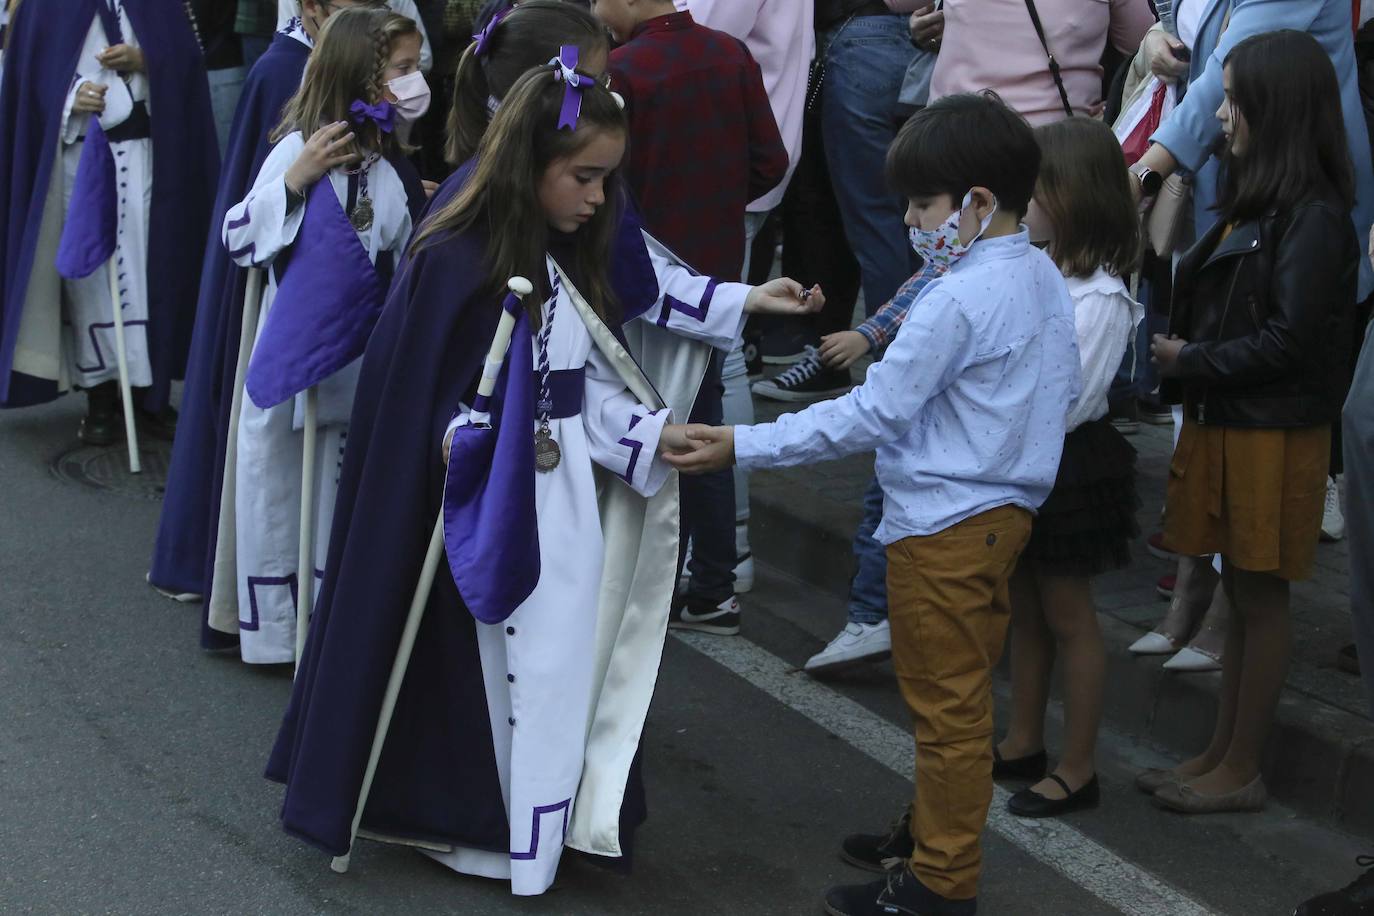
843	349
698	449
784	296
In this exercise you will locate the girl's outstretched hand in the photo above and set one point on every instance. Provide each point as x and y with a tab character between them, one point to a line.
843	349
121	58
327	149
784	296
698	449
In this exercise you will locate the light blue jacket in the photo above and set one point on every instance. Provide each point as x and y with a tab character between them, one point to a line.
1192	131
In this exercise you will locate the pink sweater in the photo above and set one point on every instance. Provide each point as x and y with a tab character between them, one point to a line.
991	44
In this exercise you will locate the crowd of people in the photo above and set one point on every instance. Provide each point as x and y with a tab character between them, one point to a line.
467	298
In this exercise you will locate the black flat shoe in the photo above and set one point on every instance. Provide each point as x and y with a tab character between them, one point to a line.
1032	804
1032	766
159	425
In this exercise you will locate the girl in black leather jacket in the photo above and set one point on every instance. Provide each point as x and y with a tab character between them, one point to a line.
1258	354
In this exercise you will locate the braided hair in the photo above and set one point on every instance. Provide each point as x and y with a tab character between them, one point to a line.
348	64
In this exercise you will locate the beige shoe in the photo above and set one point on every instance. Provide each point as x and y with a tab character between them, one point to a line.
1183	798
1151	781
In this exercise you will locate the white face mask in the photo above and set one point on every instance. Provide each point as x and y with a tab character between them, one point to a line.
412	95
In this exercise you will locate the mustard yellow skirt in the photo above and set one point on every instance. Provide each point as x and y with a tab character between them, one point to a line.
1255	496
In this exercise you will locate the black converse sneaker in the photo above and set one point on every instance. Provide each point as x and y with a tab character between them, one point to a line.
808	380
704	615
879	852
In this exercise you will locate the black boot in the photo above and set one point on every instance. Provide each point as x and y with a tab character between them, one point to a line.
102	424
161	424
877	852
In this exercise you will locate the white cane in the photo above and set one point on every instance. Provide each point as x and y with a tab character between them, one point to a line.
122	361
305	575
496	356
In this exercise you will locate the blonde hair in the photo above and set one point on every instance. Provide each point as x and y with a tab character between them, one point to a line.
348	63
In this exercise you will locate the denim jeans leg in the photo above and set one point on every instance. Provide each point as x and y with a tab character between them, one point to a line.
868	589
865	62
708	507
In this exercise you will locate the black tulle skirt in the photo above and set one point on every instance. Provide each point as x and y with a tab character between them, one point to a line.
1088	522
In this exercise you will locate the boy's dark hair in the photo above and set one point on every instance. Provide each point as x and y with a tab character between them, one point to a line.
1284	85
1084	190
966	141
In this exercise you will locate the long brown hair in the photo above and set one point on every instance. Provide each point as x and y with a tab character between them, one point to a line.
502	196
1284	85
529	37
347	64
1085	191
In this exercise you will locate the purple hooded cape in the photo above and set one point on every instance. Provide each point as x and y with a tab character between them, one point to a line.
437	779
185	546
44	45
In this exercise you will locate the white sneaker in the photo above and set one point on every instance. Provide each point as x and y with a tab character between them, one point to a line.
183	597
1333	522
744	565
857	643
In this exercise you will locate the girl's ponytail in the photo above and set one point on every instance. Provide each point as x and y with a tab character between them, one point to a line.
529	36
467	117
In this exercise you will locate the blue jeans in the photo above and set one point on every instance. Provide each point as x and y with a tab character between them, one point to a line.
865	63
1138	379
708	507
868	588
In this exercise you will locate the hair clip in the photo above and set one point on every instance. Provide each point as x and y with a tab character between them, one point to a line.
565	71
483	38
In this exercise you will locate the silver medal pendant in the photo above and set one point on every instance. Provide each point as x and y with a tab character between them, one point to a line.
547	454
361	217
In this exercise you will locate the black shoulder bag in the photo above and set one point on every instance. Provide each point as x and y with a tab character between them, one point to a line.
1054	64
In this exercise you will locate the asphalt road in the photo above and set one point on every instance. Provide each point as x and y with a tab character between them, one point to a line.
130	764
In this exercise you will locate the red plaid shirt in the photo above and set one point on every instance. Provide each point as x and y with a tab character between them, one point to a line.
703	142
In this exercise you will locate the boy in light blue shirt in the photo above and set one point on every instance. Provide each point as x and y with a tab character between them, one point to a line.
967	413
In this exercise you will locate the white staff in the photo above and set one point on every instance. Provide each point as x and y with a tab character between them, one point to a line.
305	566
496	357
122	361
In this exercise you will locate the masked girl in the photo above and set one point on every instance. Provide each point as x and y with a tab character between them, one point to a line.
328	216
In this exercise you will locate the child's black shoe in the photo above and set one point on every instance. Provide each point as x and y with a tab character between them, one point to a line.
901	893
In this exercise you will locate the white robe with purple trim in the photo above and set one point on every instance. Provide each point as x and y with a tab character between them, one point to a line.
570	674
256	573
75	345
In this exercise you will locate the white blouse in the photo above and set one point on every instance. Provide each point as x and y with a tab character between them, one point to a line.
1105	318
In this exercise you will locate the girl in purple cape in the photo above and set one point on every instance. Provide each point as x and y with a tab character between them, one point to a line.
327	215
516	727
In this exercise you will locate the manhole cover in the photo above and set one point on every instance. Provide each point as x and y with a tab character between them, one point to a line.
107	468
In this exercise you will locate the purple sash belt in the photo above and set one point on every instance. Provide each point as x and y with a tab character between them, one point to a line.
566	388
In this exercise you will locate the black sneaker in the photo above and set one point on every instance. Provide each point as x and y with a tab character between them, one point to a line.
1155	414
901	893
808	380
705	616
1355	899
880	852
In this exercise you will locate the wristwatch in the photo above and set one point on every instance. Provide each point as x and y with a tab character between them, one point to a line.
1151	182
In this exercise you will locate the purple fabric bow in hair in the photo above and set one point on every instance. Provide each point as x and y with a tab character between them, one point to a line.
382	114
483	38
573	84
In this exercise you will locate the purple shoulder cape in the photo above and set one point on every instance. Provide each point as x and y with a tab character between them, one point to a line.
39	64
184	550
